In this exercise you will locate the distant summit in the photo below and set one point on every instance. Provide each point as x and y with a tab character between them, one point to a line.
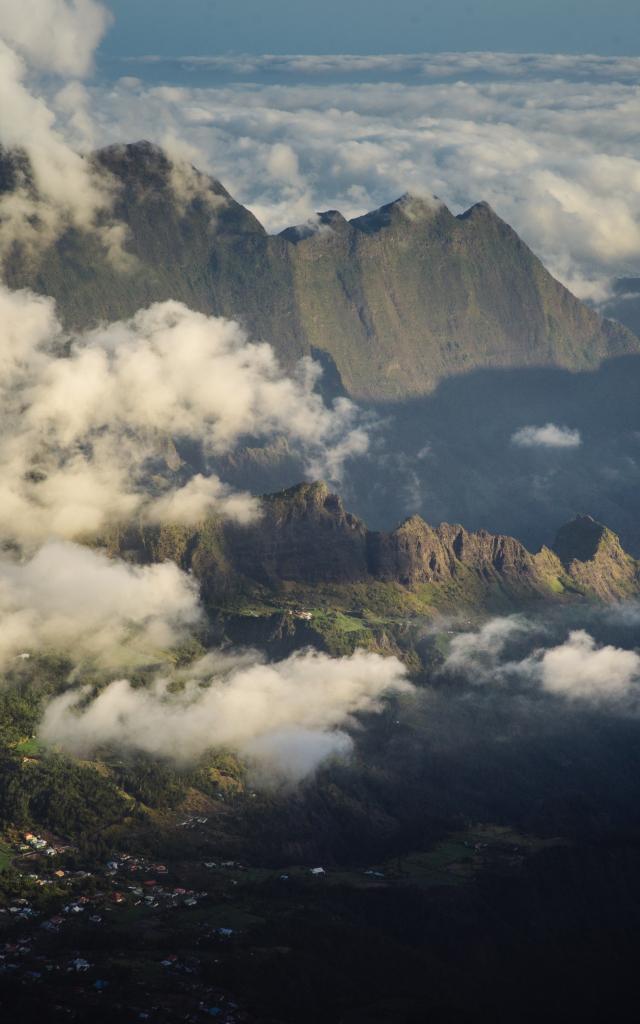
331	220
398	299
411	207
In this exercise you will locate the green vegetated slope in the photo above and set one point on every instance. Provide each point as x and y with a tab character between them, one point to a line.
309	571
399	299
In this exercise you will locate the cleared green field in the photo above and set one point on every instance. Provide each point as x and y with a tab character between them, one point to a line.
29	748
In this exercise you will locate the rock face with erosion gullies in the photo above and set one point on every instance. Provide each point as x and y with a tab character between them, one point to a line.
418	553
397	299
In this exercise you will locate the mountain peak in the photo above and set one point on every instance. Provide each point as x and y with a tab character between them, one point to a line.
412	207
595	559
319	224
580	539
155	186
135	161
306	499
480	209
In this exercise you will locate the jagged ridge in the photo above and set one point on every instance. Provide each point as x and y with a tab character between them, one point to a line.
305	537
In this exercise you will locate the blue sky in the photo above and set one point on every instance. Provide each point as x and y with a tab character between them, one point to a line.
178	27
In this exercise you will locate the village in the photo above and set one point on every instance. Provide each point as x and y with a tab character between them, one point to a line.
133	928
116	934
61	950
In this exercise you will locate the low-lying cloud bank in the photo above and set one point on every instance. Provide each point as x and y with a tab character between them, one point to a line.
88	421
286	717
578	669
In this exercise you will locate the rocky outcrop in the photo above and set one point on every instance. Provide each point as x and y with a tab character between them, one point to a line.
417	553
307	537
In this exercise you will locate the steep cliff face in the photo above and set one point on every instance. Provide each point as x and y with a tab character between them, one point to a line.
411	294
399	299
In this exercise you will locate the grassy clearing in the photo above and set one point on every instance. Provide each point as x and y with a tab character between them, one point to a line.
30	747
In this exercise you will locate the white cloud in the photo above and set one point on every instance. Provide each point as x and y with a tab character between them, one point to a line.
199	495
55	35
282	164
548	436
287	716
81	604
579	669
60	188
86	421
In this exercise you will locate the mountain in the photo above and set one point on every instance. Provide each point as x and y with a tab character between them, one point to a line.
308	552
397	300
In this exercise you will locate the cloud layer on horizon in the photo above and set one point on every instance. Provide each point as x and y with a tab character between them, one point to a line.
427	65
547	140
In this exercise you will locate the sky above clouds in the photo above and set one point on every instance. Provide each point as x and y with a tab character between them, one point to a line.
372	26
